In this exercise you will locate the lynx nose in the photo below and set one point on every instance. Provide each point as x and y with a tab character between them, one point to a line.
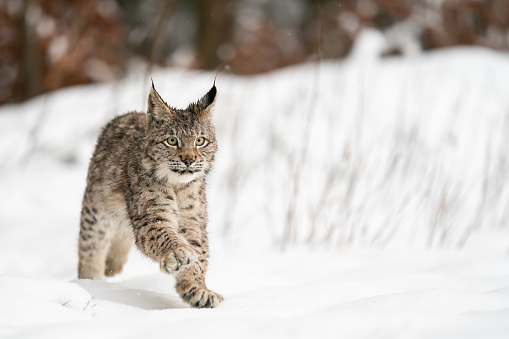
188	161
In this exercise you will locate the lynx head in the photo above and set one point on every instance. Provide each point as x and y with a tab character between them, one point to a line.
180	144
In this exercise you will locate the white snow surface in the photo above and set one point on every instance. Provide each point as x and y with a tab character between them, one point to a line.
359	294
358	199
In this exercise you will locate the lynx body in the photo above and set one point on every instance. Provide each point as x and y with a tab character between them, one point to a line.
146	184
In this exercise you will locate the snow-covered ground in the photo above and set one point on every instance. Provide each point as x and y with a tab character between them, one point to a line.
360	294
361	199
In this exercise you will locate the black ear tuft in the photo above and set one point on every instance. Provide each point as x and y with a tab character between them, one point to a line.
211	95
205	106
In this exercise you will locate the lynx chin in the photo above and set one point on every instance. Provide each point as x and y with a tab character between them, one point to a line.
146	183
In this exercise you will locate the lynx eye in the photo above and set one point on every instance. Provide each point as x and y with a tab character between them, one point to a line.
200	141
171	141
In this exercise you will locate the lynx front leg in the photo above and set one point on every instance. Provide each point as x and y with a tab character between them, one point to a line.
193	221
156	230
192	289
163	244
180	257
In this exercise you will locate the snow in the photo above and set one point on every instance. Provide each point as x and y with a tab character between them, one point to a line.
393	174
362	294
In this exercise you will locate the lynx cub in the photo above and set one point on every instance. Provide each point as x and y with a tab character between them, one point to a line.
146	182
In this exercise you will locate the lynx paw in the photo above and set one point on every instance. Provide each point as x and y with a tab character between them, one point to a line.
202	297
181	256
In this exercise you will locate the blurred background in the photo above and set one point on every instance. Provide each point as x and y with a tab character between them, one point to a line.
49	44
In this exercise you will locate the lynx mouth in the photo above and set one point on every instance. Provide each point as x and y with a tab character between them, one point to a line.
185	171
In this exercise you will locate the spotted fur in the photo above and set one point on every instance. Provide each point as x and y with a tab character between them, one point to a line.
141	189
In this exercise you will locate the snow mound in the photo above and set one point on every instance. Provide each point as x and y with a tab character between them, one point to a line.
40	301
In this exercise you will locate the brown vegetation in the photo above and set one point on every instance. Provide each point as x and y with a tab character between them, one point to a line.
50	44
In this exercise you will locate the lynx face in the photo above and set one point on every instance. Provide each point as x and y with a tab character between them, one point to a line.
180	144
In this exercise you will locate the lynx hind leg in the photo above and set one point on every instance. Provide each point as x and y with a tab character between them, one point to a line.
94	243
117	254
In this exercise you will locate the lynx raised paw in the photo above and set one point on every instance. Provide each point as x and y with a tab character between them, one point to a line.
181	256
202	297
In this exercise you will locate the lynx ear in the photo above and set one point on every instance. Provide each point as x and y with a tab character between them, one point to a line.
157	108
206	104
